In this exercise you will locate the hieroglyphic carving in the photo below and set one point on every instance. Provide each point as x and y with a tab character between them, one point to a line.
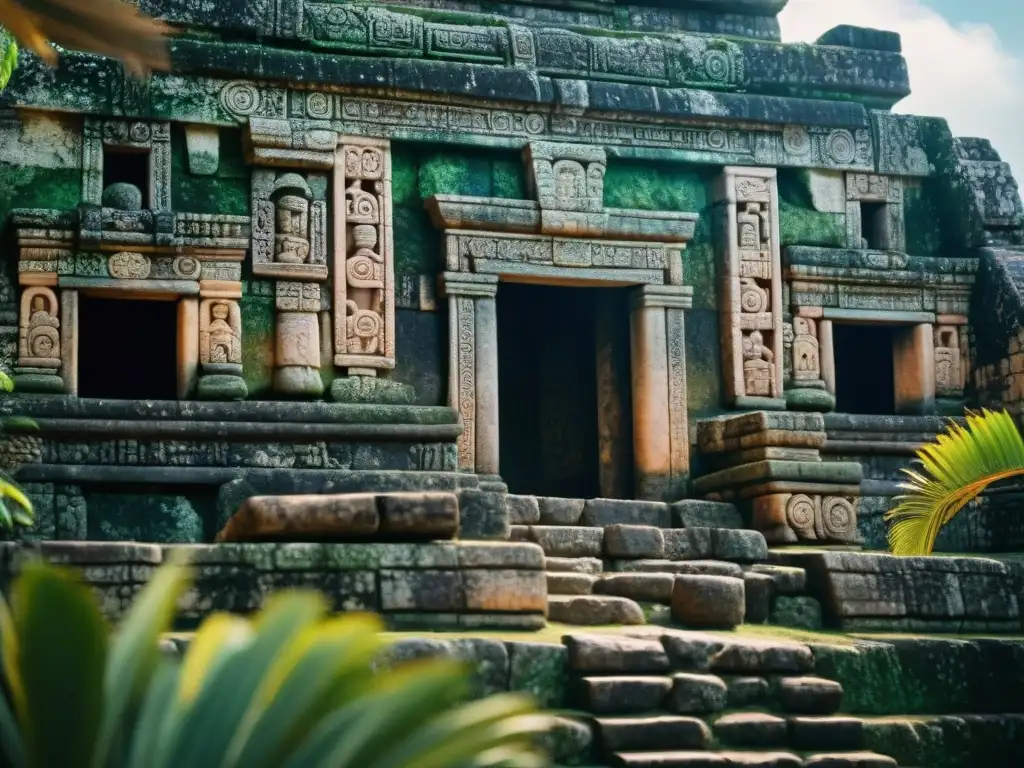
39	329
128	265
364	293
220	333
751	283
949	366
806	357
465	368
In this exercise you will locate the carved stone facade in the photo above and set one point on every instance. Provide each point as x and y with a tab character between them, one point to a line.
751	279
563	237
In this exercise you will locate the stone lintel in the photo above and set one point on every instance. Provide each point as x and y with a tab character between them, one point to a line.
877	316
115	285
469	284
554	275
220	289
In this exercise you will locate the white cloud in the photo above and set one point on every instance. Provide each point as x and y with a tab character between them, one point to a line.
961	73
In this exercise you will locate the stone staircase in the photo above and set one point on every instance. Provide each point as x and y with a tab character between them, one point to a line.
671	699
618	562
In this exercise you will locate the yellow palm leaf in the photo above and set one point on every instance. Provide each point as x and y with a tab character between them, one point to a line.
106	27
953	471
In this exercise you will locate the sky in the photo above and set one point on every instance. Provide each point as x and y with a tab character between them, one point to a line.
966	59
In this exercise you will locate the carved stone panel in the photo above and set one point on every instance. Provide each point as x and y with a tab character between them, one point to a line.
949	365
806	357
39	329
751	283
289	226
364	290
802	518
220	333
880	199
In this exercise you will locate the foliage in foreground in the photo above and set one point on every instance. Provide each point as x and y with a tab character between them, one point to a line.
111	28
953	471
15	507
289	689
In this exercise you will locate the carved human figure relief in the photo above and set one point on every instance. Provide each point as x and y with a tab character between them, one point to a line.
948	365
364	283
39	331
220	333
291	199
758	368
754	225
806	362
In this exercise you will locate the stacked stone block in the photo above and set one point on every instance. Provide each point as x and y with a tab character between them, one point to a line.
874	592
770	465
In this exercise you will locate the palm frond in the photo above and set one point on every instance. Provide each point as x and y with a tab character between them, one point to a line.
952	472
106	27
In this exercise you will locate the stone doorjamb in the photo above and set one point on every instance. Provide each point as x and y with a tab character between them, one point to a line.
657	332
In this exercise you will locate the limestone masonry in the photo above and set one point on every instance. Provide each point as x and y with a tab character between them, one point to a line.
490	315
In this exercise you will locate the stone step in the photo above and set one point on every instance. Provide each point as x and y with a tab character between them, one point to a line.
687	567
622	695
562	540
629	734
645	587
694	759
613	654
752	730
594	611
809	695
849	760
813	734
570	583
573	564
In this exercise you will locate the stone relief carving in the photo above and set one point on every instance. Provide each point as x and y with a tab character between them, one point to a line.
792	146
39	329
887	228
806	360
289	227
128	265
807	517
220	333
364	274
752	286
949	367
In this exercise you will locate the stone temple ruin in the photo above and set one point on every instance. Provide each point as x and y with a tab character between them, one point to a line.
495	317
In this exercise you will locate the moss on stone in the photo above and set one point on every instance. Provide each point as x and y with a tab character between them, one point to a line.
508	179
404	169
651	187
417	241
257	343
29	187
143	517
448	173
699	265
227	192
804	226
921	211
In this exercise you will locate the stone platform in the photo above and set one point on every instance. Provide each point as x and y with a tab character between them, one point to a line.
436	585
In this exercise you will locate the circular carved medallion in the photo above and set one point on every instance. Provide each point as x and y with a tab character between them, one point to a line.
842	147
128	265
187	267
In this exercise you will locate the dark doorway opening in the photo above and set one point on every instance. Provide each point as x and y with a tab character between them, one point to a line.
865	371
872	225
127	166
547	385
127	350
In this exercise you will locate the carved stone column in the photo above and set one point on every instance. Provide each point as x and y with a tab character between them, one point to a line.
661	445
751	294
188	346
473	367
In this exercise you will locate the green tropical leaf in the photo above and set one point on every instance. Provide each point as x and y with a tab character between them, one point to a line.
134	656
953	471
62	650
19	423
6	382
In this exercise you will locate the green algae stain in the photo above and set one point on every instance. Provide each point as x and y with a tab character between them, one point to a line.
29	187
226	192
417	242
922	214
651	187
258	317
447	173
802	226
